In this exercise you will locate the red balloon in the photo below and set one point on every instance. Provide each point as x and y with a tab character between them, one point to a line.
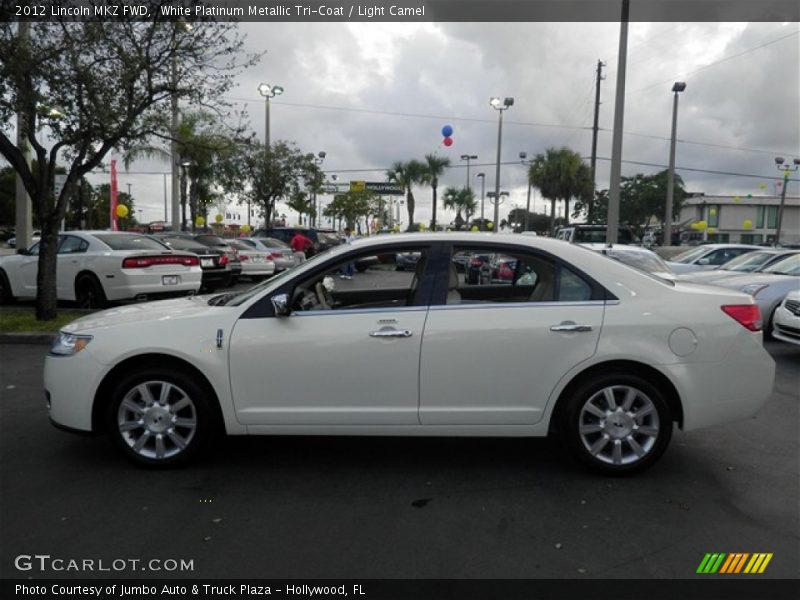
448	141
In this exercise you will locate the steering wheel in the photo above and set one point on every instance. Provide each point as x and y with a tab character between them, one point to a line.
323	296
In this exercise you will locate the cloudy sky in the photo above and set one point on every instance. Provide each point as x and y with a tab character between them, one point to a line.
369	94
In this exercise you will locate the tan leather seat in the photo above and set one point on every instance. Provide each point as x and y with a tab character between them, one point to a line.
453	295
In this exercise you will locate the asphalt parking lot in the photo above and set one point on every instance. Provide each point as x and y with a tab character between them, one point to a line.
395	508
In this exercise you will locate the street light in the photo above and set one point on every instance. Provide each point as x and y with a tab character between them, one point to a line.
468	157
268	91
779	160
499	106
496	198
483	193
677	87
184	164
522	157
318	160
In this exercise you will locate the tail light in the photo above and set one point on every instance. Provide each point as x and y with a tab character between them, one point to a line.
244	258
223	260
747	315
476	262
274	255
142	262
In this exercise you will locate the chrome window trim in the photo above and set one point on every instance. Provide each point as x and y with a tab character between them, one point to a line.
488	305
357	311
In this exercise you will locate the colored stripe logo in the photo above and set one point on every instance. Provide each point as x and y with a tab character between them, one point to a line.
734	563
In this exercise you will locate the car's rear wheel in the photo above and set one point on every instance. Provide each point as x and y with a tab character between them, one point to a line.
89	292
159	417
6	297
617	423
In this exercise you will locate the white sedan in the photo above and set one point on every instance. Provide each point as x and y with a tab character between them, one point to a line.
786	322
256	264
575	344
95	267
708	257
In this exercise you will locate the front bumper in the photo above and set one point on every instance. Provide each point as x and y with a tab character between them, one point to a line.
71	383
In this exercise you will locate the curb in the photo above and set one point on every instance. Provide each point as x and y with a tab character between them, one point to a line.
44	339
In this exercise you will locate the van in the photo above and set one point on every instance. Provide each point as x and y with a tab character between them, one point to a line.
594	234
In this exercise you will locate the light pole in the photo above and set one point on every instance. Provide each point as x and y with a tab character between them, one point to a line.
677	87
184	164
522	157
779	160
483	193
468	157
268	91
496	198
318	160
499	106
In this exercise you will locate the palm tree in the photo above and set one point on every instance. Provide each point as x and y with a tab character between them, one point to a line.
458	200
406	175
560	174
433	167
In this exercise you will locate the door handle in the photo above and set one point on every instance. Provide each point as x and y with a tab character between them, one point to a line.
570	326
404	333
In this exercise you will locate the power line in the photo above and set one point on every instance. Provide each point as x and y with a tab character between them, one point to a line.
696	170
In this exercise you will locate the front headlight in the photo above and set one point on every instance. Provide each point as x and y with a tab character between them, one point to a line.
67	344
753	288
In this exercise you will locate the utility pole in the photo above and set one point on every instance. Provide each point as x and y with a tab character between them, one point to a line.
598	78
612	226
177	224
23	209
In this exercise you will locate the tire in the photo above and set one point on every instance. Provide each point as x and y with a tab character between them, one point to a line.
616	442
361	268
89	292
6	297
154	429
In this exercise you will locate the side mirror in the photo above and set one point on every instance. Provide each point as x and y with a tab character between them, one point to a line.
704	261
280	302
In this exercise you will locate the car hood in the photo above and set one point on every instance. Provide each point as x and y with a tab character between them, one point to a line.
703	276
161	310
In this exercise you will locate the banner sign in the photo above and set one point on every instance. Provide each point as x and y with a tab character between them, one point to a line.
114	191
382	188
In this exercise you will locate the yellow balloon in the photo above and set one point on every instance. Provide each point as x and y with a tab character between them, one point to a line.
747	224
122	211
245	228
199	221
700	225
490	225
712	230
737	199
474	228
712	212
762	186
219	218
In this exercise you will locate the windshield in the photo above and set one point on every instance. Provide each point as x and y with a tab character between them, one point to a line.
746	263
690	255
787	266
130	242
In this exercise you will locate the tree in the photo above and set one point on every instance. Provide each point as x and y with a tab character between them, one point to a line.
432	169
262	176
560	174
406	175
351	206
459	199
85	88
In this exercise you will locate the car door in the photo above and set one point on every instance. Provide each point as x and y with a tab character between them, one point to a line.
70	260
492	354
27	268
348	354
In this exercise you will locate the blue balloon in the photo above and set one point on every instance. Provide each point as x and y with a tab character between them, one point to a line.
447	131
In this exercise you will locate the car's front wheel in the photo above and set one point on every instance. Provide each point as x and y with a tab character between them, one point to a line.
159	417
617	423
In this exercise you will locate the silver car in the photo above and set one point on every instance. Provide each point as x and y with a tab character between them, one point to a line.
769	287
707	257
280	253
750	262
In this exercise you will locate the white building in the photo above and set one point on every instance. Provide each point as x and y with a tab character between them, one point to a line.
742	219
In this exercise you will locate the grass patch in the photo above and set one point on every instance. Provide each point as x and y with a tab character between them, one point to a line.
23	321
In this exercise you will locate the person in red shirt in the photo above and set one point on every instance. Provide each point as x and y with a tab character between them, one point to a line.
300	244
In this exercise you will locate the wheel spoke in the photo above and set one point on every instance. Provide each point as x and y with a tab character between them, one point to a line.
608	393
177	440
131	406
630	396
616	452
648	431
130	425
145	394
137	447
185	422
640	452
597	412
159	446
166	388
589	428
642	412
599	445
180	404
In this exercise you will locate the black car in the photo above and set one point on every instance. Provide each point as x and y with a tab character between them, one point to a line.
213	261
